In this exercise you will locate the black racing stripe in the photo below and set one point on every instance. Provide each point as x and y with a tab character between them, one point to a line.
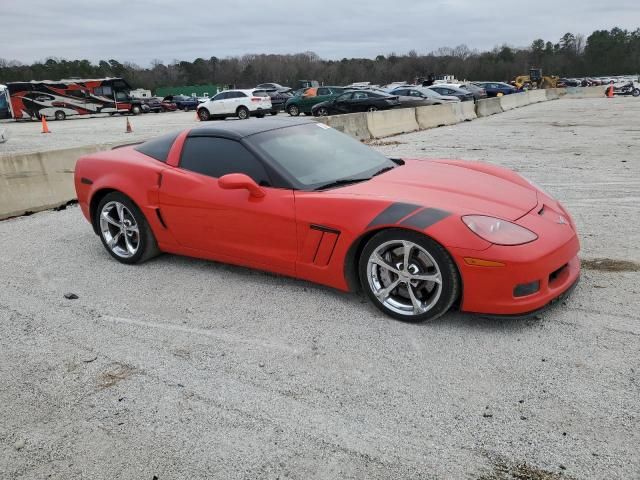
393	213
425	218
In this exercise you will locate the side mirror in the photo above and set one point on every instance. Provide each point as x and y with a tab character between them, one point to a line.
235	181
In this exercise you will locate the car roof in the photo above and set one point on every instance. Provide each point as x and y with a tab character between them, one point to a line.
238	129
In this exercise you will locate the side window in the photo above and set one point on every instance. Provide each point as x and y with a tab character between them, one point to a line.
216	157
344	97
158	148
400	92
323	91
360	95
220	96
239	94
415	93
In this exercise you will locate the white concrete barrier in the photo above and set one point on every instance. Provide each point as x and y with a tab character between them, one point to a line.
553	93
436	116
514	100
585	92
537	96
354	124
392	122
488	106
37	181
464	111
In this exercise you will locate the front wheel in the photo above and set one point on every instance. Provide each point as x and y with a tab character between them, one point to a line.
60	115
636	92
293	110
408	276
136	110
123	229
204	115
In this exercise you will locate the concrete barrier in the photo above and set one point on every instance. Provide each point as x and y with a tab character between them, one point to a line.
392	122
464	111
436	116
515	100
537	96
488	106
585	92
354	124
38	181
553	93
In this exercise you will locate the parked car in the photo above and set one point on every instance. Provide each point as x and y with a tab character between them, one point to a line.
356	101
303	102
240	103
478	92
450	90
168	105
278	100
425	93
496	89
183	102
304	200
272	86
154	104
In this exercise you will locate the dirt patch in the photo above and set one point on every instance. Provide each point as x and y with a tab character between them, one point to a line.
522	471
609	265
115	374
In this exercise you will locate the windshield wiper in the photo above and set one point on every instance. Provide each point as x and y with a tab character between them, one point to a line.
341	182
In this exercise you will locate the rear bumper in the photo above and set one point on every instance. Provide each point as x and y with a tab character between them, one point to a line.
492	290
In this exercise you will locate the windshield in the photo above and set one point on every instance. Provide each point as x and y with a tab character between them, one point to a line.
313	155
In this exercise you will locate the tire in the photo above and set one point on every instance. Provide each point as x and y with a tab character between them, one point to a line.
260	115
372	108
136	110
636	92
130	246
204	115
414	298
293	110
274	113
308	114
321	112
242	113
186	109
60	115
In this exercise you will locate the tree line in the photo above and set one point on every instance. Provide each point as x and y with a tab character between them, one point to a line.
604	52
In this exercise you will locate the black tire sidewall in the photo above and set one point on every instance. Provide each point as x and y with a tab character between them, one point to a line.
204	115
147	247
451	284
241	109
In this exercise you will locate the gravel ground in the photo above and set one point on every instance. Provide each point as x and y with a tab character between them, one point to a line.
187	369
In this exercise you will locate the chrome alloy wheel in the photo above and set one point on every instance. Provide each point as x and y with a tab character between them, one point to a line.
404	277
119	229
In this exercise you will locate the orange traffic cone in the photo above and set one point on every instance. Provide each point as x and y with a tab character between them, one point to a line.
610	91
129	129
45	127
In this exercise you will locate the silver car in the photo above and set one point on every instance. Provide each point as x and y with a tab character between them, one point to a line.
421	93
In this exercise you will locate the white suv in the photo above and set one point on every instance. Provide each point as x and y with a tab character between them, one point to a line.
236	103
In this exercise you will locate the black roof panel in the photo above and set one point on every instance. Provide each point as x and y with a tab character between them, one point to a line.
237	129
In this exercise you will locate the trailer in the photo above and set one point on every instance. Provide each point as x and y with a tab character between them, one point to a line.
63	98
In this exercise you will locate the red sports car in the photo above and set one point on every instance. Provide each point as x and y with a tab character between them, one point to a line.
304	200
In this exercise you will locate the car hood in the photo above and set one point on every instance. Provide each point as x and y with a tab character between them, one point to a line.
459	187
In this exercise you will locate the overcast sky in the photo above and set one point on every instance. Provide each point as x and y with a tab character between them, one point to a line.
142	30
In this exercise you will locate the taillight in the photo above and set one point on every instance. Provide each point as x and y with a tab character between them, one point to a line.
257	99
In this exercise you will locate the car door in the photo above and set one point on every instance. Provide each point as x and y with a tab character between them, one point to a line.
308	99
216	106
342	103
359	102
228	225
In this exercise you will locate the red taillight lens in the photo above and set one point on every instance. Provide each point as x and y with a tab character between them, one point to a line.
256	99
498	231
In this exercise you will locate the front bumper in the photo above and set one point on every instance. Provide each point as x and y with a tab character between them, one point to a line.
491	290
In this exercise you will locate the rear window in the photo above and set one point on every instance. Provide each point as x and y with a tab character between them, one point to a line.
260	93
158	148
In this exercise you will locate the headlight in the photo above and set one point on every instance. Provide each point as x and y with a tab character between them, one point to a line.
498	231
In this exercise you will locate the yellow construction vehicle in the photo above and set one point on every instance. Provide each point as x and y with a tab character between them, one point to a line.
535	79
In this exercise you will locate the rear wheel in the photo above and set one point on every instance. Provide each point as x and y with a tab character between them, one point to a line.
123	229
322	112
204	115
136	109
60	115
636	92
293	110
274	112
408	276
372	108
242	113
